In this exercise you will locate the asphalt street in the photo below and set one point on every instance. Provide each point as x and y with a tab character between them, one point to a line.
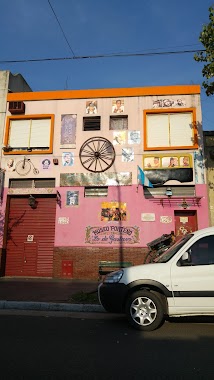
59	345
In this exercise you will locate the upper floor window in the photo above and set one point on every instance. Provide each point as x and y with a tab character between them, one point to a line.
171	129
26	134
91	123
118	122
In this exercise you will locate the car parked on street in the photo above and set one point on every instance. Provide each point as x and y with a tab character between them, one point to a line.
179	283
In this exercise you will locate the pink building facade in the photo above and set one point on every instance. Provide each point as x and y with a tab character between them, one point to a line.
96	175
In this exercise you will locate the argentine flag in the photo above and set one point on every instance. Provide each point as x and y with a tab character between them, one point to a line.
142	178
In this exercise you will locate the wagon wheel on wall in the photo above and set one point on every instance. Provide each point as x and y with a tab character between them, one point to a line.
97	154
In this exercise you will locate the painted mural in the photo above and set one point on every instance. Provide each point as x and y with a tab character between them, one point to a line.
167	103
115	211
112	234
163	168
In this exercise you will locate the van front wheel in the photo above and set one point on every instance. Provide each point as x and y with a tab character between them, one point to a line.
144	310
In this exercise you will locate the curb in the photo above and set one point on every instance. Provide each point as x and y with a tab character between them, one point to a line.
49	306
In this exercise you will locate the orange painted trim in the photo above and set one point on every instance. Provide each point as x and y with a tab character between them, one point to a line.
166	111
24	117
105	93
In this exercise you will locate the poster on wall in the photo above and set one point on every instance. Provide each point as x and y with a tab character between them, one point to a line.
67	159
45	164
119	138
127	154
72	198
68	131
134	137
113	211
118	106
91	107
112	234
167	103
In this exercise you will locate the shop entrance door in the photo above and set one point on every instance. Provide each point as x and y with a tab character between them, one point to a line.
185	222
30	237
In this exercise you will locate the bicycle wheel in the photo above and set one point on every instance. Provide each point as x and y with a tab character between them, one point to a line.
97	154
23	167
35	171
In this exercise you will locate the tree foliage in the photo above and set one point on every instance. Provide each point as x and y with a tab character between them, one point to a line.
207	39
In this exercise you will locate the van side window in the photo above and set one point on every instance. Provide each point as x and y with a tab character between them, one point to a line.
202	252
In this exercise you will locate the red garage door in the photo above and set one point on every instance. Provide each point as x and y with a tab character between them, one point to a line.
30	237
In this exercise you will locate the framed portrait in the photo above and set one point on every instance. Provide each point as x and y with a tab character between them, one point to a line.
152	162
184	161
118	106
127	154
67	159
134	137
72	198
119	138
91	107
68	131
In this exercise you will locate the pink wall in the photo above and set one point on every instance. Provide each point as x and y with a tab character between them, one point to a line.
88	213
89	210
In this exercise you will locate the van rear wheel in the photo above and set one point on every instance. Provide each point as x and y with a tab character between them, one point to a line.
144	310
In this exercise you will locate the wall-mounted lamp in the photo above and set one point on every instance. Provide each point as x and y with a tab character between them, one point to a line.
184	204
56	161
32	201
168	192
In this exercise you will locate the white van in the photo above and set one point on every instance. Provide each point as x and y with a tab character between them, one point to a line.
179	283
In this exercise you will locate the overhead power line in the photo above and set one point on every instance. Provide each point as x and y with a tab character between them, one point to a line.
61	28
113	55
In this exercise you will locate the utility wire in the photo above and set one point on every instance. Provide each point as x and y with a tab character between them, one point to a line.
113	55
61	28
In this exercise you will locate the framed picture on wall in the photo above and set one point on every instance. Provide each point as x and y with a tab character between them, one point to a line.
68	131
72	198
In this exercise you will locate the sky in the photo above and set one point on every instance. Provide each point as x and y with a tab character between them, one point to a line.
38	29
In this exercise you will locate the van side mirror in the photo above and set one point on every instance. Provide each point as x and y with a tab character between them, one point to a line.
185	259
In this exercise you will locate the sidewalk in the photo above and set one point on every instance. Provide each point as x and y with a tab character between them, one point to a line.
45	294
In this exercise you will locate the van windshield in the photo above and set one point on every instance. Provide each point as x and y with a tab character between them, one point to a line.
166	256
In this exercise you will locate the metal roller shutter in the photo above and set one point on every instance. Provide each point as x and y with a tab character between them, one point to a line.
30	237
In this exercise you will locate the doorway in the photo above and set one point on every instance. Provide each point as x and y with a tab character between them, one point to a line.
185	222
30	237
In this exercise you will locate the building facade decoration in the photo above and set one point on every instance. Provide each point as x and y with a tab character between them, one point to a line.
77	154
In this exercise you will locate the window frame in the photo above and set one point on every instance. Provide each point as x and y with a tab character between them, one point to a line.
168	111
28	117
118	117
91	118
95	191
